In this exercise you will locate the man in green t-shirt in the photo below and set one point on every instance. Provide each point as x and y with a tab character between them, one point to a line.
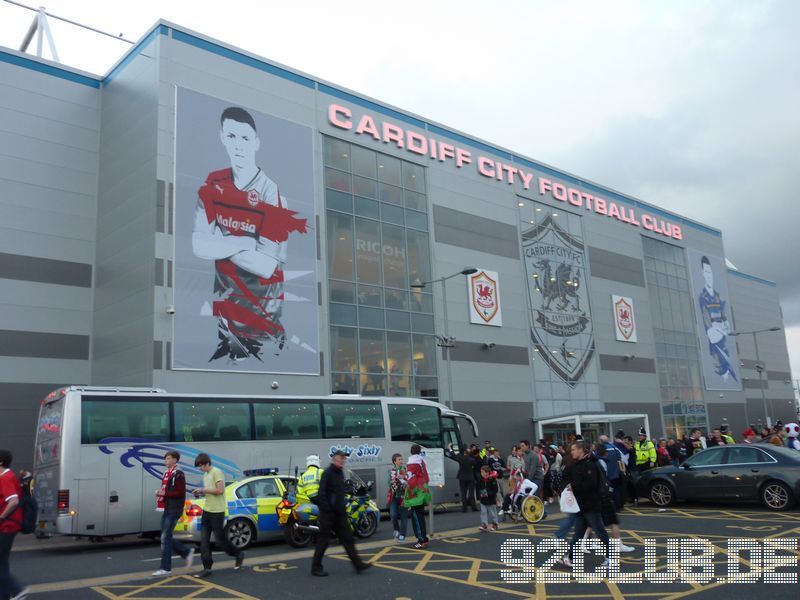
214	511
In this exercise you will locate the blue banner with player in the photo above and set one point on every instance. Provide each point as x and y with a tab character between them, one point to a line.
718	353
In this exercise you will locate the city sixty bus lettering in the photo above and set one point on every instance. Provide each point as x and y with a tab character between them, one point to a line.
99	451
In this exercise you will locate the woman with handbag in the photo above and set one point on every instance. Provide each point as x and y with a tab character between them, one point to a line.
394	498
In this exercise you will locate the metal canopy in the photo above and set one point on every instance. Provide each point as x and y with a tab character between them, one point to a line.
577	419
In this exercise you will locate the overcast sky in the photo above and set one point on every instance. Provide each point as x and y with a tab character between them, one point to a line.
689	105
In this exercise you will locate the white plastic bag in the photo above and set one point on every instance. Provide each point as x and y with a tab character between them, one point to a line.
568	502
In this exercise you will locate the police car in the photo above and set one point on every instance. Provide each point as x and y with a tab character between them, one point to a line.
252	504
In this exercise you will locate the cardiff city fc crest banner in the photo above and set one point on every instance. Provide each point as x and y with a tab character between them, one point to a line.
561	332
718	354
483	288
245	249
624	319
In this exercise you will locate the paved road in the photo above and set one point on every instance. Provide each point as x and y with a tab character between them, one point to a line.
461	562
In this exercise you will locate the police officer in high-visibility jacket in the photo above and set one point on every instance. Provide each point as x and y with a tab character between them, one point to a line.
645	452
308	485
723	429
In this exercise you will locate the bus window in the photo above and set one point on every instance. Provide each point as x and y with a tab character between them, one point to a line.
450	434
211	421
414	423
102	419
287	421
361	419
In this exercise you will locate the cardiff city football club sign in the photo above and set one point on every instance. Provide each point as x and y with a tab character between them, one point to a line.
484	296
624	321
561	331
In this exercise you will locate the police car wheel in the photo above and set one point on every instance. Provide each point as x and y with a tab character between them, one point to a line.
241	533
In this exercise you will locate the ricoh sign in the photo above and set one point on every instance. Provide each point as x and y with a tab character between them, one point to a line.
437	150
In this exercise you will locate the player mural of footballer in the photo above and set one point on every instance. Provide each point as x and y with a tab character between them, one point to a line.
242	223
715	321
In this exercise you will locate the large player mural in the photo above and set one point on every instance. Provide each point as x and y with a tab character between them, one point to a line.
719	358
245	255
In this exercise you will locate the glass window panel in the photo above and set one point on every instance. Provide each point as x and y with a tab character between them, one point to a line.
346	383
337	180
417	424
367	208
344	356
394	257
287	421
424	347
372	351
419	257
388	169
373	384
391	194
102	419
712	456
211	421
365	187
416	201
426	387
421	302
397	320
364	162
392	214
337	154
342	291
417	220
397	299
370	317
342	314
368	251
340	201
349	420
370	295
413	177
398	347
421	323
399	385
340	246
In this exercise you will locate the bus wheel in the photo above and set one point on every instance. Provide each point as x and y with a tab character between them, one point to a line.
241	533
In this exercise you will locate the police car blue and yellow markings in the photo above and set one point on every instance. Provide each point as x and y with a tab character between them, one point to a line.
151	457
260	511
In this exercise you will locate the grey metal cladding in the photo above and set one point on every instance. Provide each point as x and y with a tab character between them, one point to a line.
612	362
474	233
616	267
45	270
35	344
499	354
22	396
755	384
779	375
158	354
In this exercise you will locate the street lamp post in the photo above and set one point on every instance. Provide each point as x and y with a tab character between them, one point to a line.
759	367
446	341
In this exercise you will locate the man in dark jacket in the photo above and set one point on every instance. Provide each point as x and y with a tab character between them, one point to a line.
468	464
333	516
586	479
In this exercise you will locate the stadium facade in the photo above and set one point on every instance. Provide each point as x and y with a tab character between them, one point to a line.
137	250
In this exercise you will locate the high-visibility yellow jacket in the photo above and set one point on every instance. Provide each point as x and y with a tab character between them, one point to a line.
645	452
308	486
728	439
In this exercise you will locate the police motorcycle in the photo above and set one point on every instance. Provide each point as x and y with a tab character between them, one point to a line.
299	521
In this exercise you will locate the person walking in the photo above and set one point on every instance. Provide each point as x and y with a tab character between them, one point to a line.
613	462
213	519
170	498
417	494
333	517
10	526
487	493
466	475
397	487
585	483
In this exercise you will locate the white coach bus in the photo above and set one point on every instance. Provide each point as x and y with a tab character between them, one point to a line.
99	451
